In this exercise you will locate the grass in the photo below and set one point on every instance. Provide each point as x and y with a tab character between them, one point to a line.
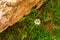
26	29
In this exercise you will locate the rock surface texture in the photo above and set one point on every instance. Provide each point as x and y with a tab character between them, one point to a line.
11	11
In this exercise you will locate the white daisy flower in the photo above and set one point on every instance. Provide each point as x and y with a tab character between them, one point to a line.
37	21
